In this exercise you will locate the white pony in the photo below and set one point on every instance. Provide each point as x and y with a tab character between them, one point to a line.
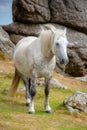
36	57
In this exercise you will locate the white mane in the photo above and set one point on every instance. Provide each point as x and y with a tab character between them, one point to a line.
45	38
51	27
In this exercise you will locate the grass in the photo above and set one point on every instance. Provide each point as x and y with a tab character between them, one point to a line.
14	113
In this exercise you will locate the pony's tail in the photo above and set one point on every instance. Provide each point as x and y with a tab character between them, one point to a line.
14	84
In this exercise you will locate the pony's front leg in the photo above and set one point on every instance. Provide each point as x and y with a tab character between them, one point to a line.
47	88
32	93
27	86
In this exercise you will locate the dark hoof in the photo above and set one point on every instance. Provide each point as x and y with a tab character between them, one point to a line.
31	112
48	112
27	104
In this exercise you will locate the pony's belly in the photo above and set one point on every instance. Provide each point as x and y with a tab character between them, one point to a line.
40	71
44	74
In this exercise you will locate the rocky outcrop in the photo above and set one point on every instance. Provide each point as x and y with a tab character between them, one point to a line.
5	43
72	13
17	31
77	51
84	78
31	11
76	102
22	29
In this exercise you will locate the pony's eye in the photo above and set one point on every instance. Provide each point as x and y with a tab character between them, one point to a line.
57	44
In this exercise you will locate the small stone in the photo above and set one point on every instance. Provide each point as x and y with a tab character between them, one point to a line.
54	82
76	102
71	109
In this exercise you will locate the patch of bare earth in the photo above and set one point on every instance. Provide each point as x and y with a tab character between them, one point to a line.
71	82
6	66
6	63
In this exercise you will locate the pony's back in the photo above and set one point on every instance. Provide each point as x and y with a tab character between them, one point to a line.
25	41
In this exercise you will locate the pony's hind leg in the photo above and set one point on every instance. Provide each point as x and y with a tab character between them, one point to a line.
47	88
27	87
32	93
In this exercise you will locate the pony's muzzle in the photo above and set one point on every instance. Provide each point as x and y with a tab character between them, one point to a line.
64	61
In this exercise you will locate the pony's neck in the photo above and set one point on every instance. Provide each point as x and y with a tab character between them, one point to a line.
46	46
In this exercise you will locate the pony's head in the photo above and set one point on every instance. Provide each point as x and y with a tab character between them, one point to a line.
59	45
58	42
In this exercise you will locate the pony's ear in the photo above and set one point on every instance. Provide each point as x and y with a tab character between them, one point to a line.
40	30
65	30
51	27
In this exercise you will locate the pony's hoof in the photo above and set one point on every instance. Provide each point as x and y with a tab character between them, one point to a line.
31	112
27	104
48	111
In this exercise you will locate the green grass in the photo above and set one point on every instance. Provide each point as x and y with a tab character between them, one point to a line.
14	113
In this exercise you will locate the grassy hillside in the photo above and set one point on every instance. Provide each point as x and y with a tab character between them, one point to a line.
14	113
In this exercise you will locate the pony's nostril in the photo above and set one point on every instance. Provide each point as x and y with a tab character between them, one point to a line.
64	61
